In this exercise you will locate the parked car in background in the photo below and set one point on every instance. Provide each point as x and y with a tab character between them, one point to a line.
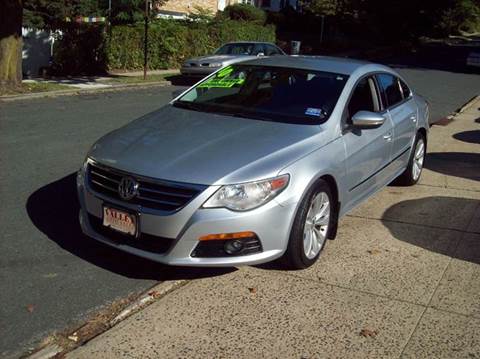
257	161
473	58
228	54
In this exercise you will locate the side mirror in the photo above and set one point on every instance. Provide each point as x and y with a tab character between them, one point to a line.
260	54
367	119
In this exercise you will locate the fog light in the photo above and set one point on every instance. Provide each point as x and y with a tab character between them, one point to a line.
234	246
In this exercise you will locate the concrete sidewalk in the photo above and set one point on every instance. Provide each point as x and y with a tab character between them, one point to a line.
401	280
99	82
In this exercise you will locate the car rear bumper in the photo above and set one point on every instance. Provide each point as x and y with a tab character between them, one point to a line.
271	223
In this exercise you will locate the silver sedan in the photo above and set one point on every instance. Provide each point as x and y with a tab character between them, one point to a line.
255	162
228	54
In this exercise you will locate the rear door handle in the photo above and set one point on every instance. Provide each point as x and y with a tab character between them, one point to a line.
388	137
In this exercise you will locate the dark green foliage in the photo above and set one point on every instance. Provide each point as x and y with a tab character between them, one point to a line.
245	12
51	14
86	49
81	50
171	42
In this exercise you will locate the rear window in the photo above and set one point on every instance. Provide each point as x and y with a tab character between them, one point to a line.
267	93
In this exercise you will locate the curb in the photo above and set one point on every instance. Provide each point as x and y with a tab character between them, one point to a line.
469	104
113	88
71	341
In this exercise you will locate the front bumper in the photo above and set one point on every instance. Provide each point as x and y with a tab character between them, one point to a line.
197	70
271	223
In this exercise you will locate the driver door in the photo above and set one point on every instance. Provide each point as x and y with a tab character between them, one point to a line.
369	150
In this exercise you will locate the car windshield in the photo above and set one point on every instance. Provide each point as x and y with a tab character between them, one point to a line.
267	93
236	49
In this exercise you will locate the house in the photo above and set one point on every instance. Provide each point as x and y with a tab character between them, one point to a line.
180	8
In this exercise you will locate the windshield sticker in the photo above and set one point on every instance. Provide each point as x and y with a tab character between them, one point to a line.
221	83
314	112
224	72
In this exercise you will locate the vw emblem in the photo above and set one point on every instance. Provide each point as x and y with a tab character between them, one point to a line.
127	188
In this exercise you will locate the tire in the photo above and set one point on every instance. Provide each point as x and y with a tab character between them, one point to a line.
413	172
299	254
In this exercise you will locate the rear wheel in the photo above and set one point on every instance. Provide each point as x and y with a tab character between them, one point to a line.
412	173
313	225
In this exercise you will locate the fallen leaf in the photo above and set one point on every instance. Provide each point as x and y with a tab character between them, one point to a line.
252	290
154	294
373	251
50	275
366	332
30	308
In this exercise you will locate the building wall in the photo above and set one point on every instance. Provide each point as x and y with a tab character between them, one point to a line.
188	6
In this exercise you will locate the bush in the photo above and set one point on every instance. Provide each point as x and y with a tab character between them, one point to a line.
245	12
171	42
463	17
80	50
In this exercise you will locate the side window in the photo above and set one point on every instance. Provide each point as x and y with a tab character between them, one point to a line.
259	48
406	91
271	50
391	92
364	98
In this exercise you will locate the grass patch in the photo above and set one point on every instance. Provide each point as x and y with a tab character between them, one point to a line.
31	87
137	79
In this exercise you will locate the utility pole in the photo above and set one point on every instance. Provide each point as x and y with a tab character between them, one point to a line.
145	43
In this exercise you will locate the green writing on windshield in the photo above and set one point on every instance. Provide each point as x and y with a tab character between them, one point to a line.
221	83
224	72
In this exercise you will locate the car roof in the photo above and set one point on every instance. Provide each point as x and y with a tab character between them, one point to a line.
339	65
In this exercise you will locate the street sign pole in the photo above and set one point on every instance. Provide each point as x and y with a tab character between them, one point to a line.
145	43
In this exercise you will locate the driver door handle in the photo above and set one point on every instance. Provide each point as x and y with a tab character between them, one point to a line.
388	137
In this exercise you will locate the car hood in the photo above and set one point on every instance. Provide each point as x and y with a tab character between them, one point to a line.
204	148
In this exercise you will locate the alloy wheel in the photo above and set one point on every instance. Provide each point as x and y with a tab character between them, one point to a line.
316	225
418	159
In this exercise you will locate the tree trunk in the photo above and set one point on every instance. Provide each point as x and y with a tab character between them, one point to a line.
11	12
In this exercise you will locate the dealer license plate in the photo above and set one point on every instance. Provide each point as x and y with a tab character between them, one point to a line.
119	220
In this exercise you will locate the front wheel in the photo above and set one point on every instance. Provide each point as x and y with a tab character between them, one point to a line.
412	173
313	225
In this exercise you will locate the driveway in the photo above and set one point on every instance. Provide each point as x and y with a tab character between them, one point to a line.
52	277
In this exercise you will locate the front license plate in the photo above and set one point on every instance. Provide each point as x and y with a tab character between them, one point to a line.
119	220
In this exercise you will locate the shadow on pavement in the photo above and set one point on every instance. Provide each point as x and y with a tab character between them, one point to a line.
457	164
53	209
478	119
468	136
433	207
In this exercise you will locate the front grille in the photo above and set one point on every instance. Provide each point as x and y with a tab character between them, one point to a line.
156	194
145	242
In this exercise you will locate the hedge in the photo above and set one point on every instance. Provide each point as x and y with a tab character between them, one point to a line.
170	42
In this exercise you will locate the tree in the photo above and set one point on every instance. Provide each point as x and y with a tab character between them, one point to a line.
10	44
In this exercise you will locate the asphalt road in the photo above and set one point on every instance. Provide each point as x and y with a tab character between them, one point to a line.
51	276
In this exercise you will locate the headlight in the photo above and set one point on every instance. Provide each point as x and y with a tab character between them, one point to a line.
246	196
215	64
